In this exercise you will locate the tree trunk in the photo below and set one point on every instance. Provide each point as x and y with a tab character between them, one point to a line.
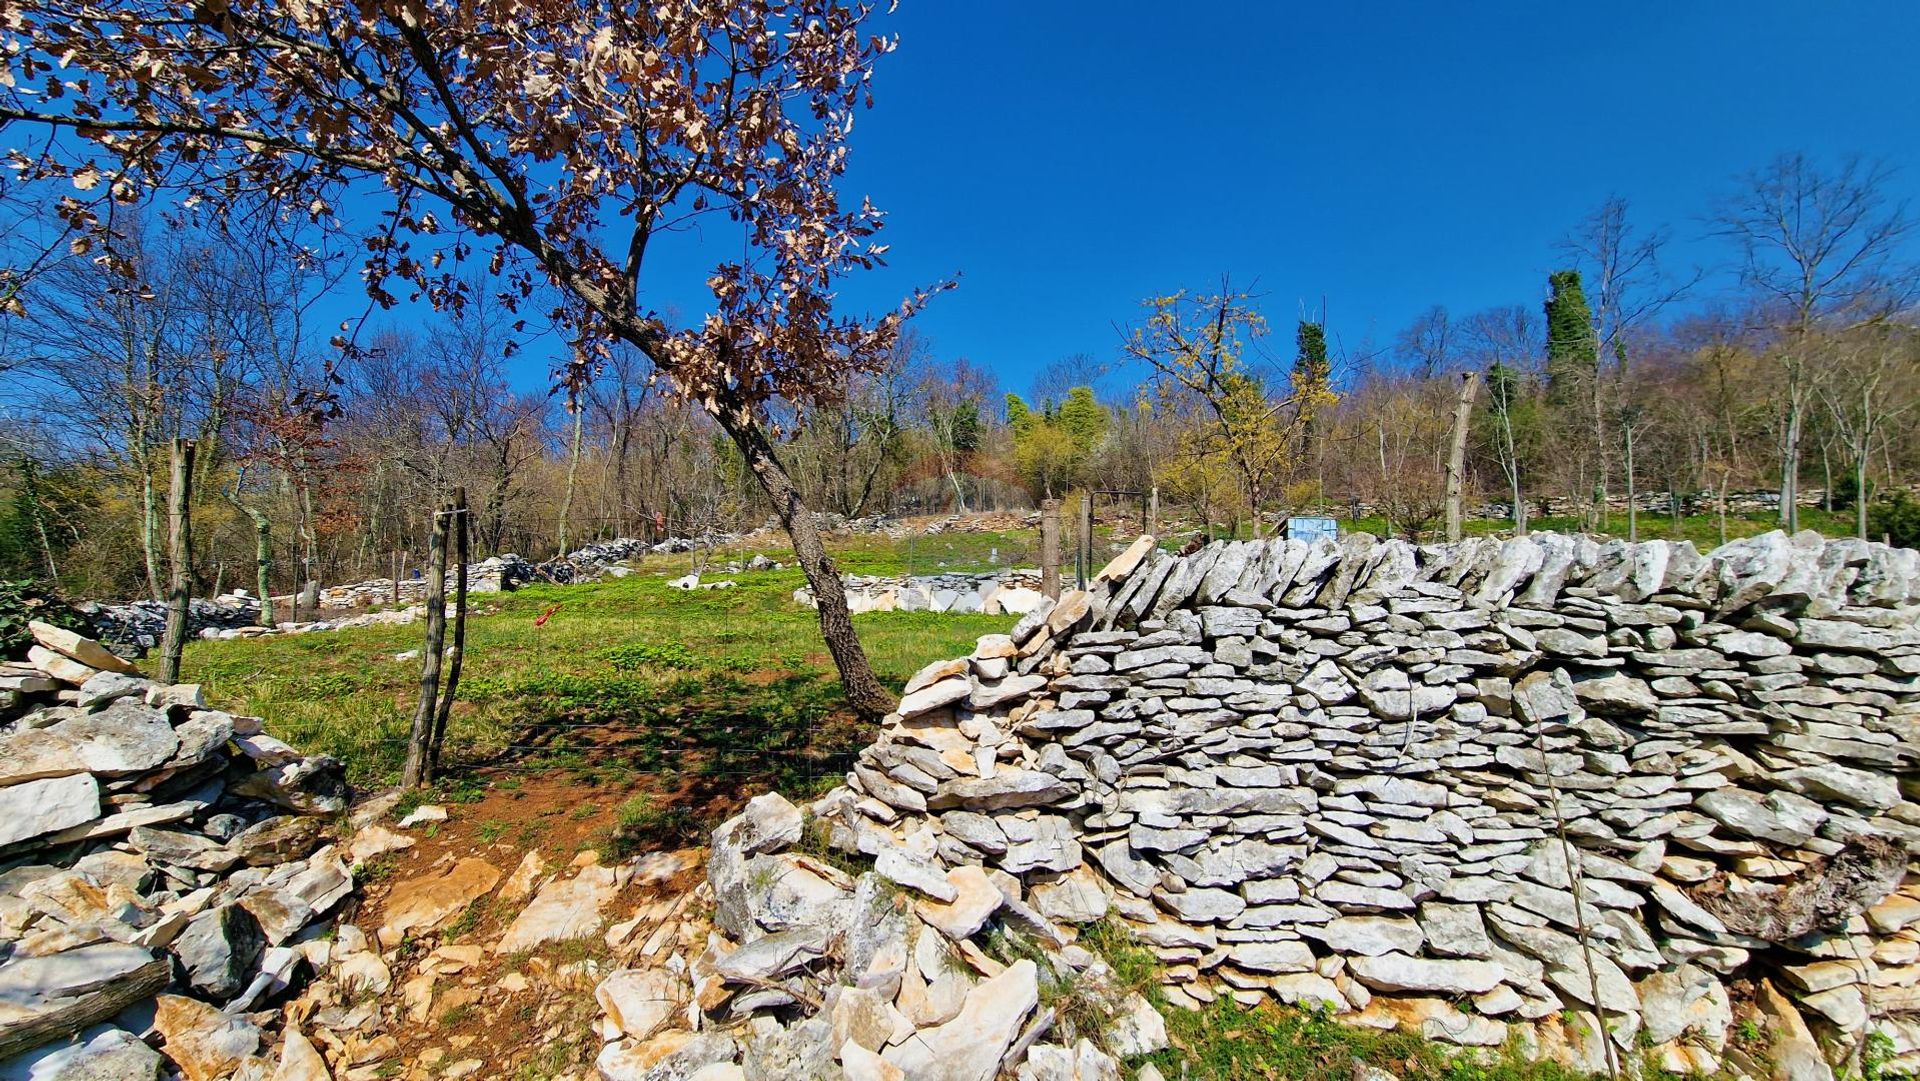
179	560
30	495
150	529
1599	518
1633	510
864	693
1050	548
1790	465
573	469
1721	502
445	709
420	738
1457	455
1860	493
263	565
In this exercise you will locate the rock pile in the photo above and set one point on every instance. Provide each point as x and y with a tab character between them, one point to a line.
1489	791
809	972
495	574
1014	591
163	868
139	625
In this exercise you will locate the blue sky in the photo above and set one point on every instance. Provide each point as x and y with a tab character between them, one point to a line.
1069	159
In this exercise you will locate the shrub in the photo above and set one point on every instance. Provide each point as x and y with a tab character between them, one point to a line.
21	602
1845	491
1897	518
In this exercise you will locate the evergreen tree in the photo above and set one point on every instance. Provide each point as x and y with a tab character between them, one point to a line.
1019	416
1573	350
1312	373
1084	420
966	426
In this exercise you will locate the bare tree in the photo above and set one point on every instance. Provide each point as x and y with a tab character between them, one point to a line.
1626	288
1428	345
1818	245
1504	342
1870	379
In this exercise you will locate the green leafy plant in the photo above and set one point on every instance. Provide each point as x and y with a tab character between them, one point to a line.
1897	518
634	656
21	603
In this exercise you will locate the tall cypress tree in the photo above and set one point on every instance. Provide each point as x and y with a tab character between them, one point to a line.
1573	350
1312	372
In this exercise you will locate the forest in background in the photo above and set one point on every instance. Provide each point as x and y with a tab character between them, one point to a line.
1621	376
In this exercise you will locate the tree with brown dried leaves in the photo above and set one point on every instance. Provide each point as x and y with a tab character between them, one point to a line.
553	138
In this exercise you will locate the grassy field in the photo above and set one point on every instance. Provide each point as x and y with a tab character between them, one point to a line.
625	675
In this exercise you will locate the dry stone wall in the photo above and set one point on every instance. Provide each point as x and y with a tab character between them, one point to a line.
165	868
1540	790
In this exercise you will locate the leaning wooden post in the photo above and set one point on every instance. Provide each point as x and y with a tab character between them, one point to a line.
1457	458
454	656
1050	548
180	560
419	739
399	561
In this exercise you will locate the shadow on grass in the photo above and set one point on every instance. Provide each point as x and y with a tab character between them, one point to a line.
714	731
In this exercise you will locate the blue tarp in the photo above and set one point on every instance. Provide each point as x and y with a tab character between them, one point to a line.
1312	529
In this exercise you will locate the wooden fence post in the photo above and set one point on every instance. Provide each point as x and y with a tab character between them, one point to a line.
1050	548
445	709
1153	511
179	558
420	738
399	563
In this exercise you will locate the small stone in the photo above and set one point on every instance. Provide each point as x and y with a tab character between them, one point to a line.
975	901
425	814
565	909
419	905
85	650
1399	972
34	808
1371	936
113	1055
126	737
219	950
206	1044
969	1047
641	1002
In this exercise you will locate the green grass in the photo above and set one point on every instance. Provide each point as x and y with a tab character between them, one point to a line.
627	676
1225	1041
1228	1042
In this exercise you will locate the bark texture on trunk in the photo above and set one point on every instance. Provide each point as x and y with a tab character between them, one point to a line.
420	738
444	711
180	560
1457	456
869	699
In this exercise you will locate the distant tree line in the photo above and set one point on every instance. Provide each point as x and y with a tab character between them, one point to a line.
1621	385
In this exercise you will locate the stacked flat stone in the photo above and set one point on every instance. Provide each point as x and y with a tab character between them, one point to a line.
149	846
1014	592
495	574
139	625
1358	773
